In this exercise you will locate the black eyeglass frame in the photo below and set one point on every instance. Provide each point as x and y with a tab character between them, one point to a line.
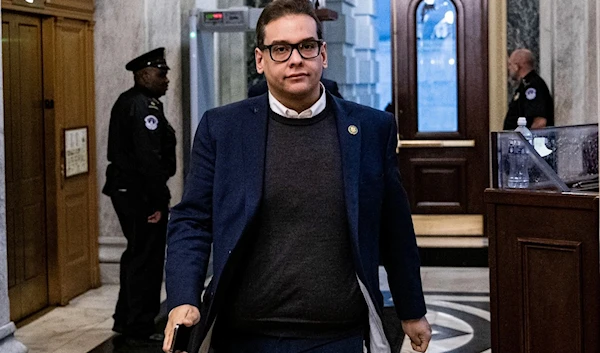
294	46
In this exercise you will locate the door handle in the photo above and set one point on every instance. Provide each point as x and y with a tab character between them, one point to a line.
49	103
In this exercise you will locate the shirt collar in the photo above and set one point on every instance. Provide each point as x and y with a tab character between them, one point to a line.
315	109
527	78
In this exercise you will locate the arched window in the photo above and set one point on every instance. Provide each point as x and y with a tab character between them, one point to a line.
437	74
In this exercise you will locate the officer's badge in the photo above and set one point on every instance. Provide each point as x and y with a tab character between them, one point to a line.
516	97
151	122
153	104
530	93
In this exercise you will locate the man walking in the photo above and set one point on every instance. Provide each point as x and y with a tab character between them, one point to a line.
299	194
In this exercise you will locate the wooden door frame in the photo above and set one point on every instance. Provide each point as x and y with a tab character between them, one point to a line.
68	9
473	78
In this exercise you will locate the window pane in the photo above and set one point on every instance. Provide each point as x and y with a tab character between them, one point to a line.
437	89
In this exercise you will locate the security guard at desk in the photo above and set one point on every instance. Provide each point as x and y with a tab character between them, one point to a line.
141	152
532	99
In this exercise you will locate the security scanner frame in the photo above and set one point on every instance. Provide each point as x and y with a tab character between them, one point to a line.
204	24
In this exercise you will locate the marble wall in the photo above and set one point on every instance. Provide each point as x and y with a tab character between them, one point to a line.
523	25
522	31
569	61
124	30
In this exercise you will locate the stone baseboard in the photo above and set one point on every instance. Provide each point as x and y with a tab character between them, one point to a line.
8	342
110	250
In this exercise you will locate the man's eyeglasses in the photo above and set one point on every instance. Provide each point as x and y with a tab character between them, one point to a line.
307	49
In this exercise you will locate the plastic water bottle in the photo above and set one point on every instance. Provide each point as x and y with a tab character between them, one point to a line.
518	158
522	128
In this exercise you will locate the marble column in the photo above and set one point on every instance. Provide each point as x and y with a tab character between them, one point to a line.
352	49
365	52
8	343
340	36
523	25
573	63
522	31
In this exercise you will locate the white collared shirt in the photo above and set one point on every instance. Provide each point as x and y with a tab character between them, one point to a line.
315	109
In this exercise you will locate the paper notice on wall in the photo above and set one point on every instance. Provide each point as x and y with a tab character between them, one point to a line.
76	151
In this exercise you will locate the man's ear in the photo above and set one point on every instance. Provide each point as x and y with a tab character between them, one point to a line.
143	76
259	58
324	54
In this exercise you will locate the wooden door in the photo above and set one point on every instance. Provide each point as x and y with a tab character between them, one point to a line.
444	167
68	82
25	164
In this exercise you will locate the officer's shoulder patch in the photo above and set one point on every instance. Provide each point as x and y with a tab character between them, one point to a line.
531	93
151	122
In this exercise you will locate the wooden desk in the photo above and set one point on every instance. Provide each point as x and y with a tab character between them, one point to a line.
544	271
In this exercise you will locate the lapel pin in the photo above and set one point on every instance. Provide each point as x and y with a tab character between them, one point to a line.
352	129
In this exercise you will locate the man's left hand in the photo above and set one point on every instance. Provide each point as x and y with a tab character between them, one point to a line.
155	217
419	332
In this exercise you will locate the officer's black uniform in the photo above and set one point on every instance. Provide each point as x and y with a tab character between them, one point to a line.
531	99
141	149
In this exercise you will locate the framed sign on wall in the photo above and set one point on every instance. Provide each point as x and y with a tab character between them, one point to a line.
76	151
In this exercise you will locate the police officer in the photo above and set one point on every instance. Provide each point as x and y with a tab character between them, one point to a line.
532	98
141	152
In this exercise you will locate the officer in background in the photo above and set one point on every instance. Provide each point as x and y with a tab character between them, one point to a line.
141	152
532	99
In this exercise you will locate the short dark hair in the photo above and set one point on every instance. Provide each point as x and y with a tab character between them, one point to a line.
280	8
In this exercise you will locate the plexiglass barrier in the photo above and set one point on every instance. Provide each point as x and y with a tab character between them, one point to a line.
562	158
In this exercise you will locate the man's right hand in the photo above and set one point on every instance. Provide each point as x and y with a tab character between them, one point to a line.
155	217
187	315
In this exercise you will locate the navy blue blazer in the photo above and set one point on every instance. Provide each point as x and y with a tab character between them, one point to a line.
223	192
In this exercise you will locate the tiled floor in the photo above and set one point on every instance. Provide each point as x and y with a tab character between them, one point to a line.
457	308
75	328
457	301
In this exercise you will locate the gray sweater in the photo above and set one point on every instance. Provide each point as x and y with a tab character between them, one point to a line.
298	277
